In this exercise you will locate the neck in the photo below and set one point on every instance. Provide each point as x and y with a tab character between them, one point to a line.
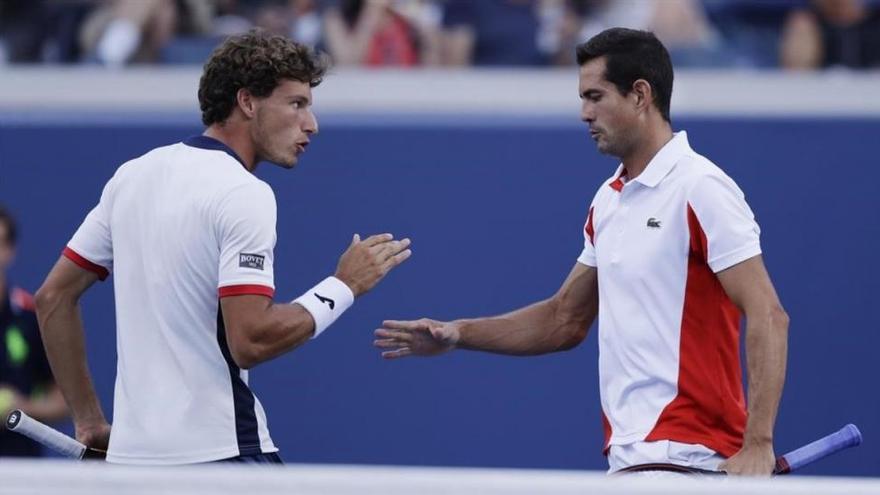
236	137
637	161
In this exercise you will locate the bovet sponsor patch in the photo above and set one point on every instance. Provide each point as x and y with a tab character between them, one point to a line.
248	260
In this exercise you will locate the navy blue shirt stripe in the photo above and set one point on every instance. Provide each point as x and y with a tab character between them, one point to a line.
243	399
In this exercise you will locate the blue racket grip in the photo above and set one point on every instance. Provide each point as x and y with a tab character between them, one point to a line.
848	436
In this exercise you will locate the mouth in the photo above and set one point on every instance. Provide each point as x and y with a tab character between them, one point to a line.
301	147
594	134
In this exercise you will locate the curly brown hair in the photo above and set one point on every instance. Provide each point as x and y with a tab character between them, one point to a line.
258	62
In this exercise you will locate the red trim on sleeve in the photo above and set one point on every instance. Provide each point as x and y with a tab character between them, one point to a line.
244	290
85	264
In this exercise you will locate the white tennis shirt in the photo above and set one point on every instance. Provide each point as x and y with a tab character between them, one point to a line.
669	366
181	226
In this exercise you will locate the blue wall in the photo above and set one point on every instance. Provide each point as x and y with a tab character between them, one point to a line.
495	211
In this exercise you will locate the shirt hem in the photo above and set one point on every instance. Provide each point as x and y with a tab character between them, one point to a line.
214	455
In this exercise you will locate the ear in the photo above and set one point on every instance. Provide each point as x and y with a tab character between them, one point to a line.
246	102
643	93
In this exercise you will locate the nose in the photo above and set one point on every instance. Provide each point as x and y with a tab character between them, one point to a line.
310	124
588	115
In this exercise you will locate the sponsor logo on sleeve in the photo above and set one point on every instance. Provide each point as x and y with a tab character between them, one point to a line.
248	260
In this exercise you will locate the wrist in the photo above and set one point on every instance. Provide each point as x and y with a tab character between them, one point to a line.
326	302
355	290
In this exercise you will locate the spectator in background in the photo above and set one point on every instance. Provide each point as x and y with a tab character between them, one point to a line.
33	31
681	25
119	32
495	32
25	378
376	33
832	33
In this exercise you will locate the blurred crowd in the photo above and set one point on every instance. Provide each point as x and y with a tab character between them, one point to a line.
792	34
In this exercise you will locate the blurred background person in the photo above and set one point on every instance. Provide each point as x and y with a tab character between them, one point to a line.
381	33
497	32
682	25
26	381
832	33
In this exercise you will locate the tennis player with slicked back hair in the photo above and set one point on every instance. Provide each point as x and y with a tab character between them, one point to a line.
189	232
671	259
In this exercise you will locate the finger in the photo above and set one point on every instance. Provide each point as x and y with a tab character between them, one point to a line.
399	353
355	239
403	325
388	344
386	250
390	334
396	259
377	239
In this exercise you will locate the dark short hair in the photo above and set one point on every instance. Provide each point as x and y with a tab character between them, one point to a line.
258	62
631	55
7	219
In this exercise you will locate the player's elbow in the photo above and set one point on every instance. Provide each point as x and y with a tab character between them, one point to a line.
244	356
779	318
244	348
49	298
573	337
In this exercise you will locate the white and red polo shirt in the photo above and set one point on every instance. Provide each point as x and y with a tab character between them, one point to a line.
669	365
181	227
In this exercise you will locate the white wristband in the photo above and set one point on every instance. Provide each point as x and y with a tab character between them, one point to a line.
325	302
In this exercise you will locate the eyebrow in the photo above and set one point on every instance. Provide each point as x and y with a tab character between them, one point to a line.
301	99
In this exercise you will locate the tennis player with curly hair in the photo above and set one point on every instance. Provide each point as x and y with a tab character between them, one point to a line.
189	232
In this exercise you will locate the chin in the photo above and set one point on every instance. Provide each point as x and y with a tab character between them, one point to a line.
286	162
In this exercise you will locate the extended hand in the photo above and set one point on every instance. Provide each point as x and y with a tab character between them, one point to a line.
367	262
751	460
418	338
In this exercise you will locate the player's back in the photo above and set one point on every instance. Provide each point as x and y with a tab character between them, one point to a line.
179	397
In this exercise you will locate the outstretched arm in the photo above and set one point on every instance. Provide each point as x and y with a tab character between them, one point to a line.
62	330
748	285
555	324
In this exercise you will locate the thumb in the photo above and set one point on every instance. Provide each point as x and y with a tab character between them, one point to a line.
356	239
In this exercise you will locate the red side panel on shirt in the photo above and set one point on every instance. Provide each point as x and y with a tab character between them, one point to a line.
606	426
710	407
22	299
244	290
588	228
85	264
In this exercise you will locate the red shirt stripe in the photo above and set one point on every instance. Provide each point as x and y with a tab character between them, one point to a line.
244	290
85	264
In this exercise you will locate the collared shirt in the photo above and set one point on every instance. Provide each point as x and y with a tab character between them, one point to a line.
669	364
181	227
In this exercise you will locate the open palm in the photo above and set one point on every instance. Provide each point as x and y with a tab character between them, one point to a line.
422	337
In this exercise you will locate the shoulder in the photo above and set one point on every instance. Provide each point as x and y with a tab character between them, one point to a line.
698	172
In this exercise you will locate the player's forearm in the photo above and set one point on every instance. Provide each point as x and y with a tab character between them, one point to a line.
537	329
62	332
766	354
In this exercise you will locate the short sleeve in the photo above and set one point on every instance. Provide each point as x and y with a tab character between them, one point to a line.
729	232
246	235
91	246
